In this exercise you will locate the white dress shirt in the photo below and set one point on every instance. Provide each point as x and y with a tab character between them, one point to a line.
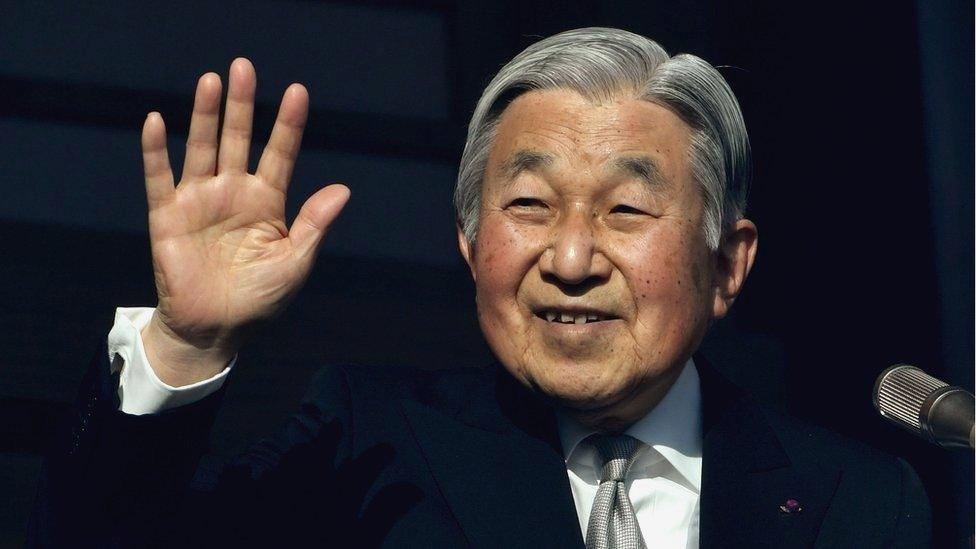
663	483
140	390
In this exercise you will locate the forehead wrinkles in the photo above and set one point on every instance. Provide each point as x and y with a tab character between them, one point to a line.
580	134
581	119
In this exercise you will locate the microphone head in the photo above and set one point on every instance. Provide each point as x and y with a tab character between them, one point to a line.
926	406
899	393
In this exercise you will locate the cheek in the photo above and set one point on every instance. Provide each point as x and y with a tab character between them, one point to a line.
665	274
503	256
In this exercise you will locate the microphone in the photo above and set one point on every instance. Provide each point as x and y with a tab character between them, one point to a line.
929	408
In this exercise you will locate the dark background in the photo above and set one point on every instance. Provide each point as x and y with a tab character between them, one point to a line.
861	118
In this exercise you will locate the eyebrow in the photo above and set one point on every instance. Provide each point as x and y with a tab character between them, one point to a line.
525	160
640	167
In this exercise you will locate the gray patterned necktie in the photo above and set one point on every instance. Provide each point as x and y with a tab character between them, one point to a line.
613	524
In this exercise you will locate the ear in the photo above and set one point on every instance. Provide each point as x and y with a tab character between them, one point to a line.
467	250
733	262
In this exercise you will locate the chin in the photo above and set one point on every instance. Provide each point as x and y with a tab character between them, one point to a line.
581	387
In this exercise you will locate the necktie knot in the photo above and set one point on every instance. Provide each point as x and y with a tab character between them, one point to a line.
618	453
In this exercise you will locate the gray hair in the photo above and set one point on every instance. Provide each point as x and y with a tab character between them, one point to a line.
599	63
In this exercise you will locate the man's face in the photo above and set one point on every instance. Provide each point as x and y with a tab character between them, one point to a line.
594	282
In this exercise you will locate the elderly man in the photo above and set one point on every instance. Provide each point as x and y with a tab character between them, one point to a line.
600	203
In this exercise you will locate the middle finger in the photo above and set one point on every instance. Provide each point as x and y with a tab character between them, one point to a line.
235	138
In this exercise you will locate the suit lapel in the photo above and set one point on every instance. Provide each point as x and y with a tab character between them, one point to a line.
498	466
747	476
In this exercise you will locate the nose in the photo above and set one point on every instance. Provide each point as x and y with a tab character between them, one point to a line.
574	255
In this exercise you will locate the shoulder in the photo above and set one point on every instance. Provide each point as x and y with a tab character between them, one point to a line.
874	487
806	445
805	441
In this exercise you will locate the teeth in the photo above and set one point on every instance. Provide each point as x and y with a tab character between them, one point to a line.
568	318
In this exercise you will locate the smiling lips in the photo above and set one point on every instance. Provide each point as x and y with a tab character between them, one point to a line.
566	316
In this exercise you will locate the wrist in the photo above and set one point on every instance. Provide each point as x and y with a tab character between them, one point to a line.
178	362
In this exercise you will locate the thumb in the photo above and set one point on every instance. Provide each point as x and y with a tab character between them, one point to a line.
316	216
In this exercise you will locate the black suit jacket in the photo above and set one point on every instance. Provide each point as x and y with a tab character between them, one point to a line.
404	458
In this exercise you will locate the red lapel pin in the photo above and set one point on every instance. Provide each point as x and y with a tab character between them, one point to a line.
791	506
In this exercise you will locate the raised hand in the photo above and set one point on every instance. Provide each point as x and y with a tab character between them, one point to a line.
224	258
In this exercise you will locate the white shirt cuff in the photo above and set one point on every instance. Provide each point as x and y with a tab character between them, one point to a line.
140	390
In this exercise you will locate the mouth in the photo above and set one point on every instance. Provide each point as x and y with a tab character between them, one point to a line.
574	316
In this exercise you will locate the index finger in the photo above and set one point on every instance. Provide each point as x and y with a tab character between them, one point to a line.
155	161
278	159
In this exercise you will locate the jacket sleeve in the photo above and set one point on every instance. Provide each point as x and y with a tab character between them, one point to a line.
118	480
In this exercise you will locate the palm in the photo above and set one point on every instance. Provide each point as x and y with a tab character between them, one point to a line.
223	255
222	238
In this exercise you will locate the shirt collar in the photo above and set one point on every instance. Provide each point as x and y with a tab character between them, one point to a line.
673	427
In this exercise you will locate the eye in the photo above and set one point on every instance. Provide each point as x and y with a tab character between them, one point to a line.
625	209
527	202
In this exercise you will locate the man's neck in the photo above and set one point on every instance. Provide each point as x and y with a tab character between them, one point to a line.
674	427
619	416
